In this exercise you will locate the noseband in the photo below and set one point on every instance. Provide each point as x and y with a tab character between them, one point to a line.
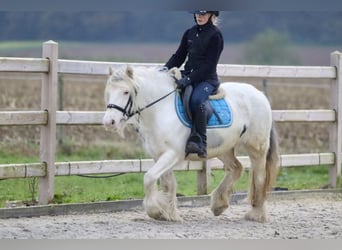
127	110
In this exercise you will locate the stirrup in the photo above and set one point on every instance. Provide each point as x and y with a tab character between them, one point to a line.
203	153
196	148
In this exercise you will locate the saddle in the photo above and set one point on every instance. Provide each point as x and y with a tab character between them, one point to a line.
185	98
219	111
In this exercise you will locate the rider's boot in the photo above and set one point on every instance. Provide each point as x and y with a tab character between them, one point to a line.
197	142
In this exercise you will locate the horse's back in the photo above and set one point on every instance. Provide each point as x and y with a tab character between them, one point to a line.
245	94
250	105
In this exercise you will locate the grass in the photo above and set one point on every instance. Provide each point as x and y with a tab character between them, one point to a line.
19	45
77	189
79	50
27	45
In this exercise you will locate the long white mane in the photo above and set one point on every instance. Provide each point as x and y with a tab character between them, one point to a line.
145	85
141	79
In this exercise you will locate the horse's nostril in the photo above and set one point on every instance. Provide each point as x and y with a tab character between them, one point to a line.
113	122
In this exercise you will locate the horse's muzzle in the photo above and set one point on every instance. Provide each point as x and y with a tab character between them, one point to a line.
109	122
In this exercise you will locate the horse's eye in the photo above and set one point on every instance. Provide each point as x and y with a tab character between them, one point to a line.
126	93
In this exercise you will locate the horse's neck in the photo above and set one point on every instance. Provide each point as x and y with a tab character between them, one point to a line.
150	90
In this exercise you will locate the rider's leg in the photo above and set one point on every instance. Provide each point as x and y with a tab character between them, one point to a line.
197	141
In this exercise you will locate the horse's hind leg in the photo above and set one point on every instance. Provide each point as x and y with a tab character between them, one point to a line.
263	174
221	195
257	190
263	151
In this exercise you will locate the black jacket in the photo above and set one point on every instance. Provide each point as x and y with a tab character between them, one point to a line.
203	46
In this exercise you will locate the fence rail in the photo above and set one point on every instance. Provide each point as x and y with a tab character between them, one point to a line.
17	118
48	117
8	171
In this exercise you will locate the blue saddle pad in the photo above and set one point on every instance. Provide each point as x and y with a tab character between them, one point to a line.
220	106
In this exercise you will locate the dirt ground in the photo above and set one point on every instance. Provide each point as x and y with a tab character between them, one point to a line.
307	216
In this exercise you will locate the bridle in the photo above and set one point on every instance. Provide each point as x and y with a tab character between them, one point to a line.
127	110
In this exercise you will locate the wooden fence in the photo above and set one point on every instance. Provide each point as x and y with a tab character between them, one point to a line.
48	117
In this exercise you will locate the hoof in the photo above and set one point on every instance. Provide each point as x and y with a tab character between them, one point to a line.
162	217
257	215
177	218
159	214
219	210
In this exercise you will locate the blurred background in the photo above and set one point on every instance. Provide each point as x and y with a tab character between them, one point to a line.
290	37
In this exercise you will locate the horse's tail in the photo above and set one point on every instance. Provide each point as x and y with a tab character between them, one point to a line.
272	161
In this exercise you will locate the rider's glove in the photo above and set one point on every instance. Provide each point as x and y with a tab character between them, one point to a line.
183	82
164	69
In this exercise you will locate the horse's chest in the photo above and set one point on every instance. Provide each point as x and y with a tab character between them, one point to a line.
151	144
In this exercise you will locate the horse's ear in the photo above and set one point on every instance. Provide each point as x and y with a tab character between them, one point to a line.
111	71
129	71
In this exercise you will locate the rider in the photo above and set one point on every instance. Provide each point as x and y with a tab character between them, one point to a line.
202	45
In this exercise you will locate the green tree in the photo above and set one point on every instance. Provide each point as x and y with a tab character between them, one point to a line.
269	48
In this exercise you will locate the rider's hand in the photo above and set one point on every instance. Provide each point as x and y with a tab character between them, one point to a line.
163	69
183	82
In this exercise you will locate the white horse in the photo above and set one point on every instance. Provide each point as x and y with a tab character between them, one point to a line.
144	96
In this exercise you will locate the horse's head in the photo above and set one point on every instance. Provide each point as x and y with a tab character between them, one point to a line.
119	98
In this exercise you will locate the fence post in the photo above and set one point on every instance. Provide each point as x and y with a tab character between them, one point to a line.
48	131
203	178
60	136
335	135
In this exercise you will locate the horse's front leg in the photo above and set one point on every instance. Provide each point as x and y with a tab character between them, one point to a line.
162	205
168	186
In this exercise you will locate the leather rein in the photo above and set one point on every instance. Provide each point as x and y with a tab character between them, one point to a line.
127	110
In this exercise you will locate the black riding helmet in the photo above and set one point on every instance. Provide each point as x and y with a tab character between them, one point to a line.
202	12
216	13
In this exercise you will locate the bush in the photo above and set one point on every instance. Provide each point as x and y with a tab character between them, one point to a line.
270	48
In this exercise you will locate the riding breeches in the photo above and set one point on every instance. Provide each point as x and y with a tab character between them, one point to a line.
200	94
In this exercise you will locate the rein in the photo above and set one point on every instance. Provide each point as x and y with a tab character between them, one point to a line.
127	110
